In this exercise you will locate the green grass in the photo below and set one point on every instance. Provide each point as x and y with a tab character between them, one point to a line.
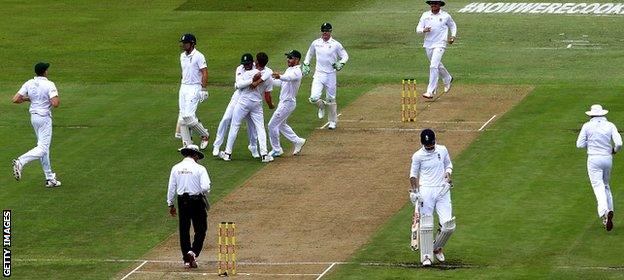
523	202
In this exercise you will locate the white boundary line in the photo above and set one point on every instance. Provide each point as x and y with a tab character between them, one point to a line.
326	270
134	270
486	123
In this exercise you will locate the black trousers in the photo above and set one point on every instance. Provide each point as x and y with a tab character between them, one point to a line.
192	209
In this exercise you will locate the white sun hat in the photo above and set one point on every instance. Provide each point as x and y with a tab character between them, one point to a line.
596	111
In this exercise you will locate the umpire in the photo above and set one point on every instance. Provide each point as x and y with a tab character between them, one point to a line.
190	181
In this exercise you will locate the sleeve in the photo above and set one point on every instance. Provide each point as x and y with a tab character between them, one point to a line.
52	92
415	168
201	62
311	52
421	25
205	181
243	81
617	139
448	165
172	188
277	82
452	26
294	75
266	75
267	78
581	141
23	91
342	53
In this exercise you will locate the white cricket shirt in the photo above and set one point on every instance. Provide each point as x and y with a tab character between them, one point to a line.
243	84
40	90
596	136
191	67
187	177
440	24
326	54
430	167
290	82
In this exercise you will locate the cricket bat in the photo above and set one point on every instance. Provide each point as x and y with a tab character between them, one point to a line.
415	240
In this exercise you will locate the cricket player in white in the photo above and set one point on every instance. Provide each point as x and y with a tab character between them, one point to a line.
290	82
430	180
331	57
435	24
252	84
596	135
43	95
192	90
224	124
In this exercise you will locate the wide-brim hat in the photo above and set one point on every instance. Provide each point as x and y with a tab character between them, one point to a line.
442	3
596	111
191	150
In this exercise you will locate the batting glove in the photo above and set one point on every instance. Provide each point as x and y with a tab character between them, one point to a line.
338	66
305	69
203	95
414	197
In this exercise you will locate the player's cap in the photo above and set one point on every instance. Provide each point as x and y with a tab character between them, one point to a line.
427	137
41	67
191	150
436	1
326	27
188	38
247	58
293	53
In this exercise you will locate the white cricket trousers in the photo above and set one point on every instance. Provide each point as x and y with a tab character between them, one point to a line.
225	122
432	199
254	111
278	124
599	170
325	81
43	130
436	68
188	99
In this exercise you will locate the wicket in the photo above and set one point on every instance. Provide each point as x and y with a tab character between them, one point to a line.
409	96
227	249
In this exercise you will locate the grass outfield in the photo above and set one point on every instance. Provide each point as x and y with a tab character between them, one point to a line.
522	201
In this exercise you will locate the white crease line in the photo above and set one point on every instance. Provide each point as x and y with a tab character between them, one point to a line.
486	123
325	272
327	123
396	129
438	122
239	273
134	270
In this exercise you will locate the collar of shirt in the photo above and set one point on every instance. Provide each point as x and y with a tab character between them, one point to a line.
189	159
40	78
190	54
597	119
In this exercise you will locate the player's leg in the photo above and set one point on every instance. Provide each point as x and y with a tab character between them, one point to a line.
257	117
191	117
315	94
426	225
183	103
278	118
285	129
45	140
223	126
606	178
184	226
595	173
42	146
200	225
444	209
332	106
253	138
240	111
435	56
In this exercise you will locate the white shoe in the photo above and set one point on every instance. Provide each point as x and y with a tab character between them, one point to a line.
298	147
225	156
267	158
447	88
321	112
177	135
17	169
332	125
215	151
427	95
52	183
426	262
439	256
204	142
276	153
254	151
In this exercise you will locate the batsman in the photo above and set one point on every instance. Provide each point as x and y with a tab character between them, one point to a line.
430	180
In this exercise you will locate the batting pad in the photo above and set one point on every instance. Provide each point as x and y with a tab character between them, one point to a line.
426	237
445	233
193	123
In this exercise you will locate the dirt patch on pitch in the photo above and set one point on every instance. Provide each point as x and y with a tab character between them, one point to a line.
299	214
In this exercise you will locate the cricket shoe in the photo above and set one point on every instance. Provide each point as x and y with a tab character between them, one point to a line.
204	142
332	125
254	151
447	88
439	255
191	258
267	158
225	156
177	135
299	146
215	151
275	153
427	95
426	262
52	183
17	169
609	223
187	265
